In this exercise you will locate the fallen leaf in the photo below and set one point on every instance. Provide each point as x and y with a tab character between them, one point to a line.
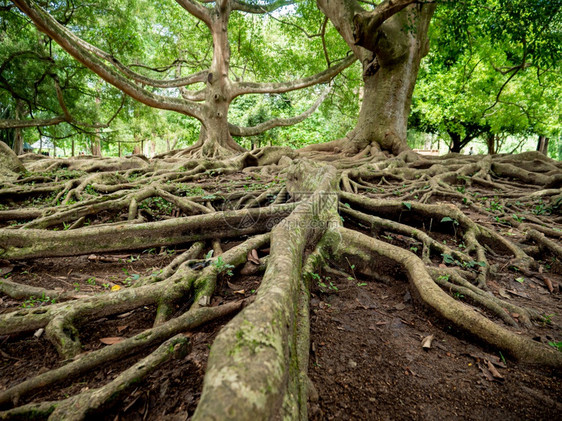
400	306
241	292
486	373
426	342
495	373
115	288
548	283
121	328
253	257
5	270
233	286
111	340
519	294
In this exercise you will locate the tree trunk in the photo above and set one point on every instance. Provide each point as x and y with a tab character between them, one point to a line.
456	142
389	74
542	145
491	143
18	136
215	138
96	145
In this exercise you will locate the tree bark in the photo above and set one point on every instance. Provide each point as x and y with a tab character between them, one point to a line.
542	145
18	136
390	53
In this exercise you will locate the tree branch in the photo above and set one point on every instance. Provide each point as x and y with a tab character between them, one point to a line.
82	51
243	88
197	10
36	122
259	9
277	122
366	24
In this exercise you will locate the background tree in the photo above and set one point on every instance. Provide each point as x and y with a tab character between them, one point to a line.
482	81
210	104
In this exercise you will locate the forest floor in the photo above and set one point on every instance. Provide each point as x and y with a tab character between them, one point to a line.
366	358
366	355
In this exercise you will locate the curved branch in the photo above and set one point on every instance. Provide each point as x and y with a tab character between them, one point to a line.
366	24
277	122
36	122
83	52
243	88
259	9
197	10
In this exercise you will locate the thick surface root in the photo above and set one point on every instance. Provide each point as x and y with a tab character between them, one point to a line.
473	237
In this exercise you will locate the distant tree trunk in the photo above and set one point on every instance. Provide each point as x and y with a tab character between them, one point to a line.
542	145
390	54
96	144
73	151
491	142
18	136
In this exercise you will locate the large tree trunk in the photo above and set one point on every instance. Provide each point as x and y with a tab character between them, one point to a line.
215	139
391	58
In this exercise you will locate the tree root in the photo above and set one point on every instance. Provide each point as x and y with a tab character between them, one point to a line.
79	406
524	349
85	362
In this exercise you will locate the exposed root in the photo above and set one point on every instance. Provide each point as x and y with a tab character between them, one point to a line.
258	363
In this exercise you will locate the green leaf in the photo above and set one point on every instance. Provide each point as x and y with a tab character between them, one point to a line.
520	280
407	205
447	219
447	258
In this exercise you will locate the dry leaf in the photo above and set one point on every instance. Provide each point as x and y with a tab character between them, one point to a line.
115	288
241	292
121	328
548	283
233	286
426	342
111	340
253	257
504	294
494	371
5	270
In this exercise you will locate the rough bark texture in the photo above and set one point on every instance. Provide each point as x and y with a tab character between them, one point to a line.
390	52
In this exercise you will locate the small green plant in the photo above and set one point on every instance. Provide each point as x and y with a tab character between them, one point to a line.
91	191
518	218
91	281
352	267
361	284
76	286
106	286
223	267
557	345
414	249
547	319
66	226
38	301
453	221
458	296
